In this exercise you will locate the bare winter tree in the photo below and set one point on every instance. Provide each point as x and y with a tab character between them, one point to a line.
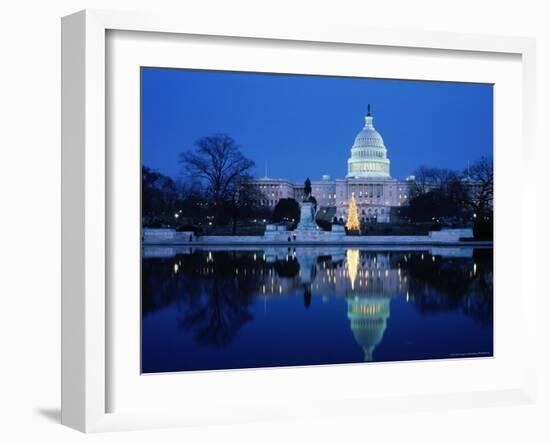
429	178
159	195
219	163
480	175
190	189
225	174
242	200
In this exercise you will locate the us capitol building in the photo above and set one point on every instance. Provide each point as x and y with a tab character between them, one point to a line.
368	180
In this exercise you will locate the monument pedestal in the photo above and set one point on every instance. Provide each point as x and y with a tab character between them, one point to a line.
307	218
307	229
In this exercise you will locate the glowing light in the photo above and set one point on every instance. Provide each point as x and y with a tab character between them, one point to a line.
475	268
353	219
353	264
176	268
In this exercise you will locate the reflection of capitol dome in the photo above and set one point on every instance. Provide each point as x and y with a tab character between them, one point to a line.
368	153
368	318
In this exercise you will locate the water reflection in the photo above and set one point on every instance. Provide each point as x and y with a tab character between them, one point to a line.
215	294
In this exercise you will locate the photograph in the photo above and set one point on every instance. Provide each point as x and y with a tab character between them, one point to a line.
302	220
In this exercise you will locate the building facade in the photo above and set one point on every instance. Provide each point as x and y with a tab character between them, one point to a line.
368	179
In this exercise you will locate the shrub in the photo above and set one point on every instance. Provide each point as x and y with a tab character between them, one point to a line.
483	229
189	228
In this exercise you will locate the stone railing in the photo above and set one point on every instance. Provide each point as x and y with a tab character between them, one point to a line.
451	234
279	234
159	236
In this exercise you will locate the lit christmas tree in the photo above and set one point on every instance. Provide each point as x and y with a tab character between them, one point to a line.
353	220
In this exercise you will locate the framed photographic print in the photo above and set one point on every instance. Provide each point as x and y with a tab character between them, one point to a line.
264	223
253	269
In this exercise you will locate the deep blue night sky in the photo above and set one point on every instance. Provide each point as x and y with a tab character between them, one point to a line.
304	126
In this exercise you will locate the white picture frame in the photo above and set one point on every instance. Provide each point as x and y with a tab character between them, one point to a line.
86	201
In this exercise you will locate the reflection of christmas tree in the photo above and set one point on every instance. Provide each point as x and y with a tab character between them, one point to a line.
353	220
352	257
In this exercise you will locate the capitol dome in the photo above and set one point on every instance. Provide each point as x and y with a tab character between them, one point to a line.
368	137
368	153
368	319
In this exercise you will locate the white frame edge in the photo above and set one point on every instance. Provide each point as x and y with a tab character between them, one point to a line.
83	222
84	197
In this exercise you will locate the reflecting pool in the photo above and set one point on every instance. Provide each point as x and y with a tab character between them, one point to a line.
223	308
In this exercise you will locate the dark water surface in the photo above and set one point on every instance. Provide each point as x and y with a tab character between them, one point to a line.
243	307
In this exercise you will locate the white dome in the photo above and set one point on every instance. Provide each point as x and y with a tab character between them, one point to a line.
368	154
368	137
